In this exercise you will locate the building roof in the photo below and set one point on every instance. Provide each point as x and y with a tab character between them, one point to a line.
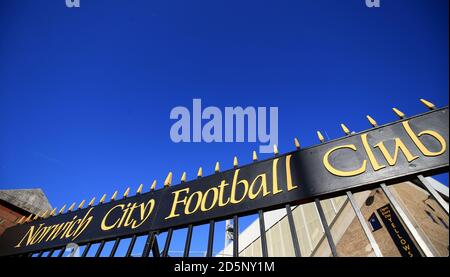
30	200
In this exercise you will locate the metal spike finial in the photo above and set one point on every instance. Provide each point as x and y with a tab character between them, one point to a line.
297	144
255	157
36	216
428	104
199	172
44	215
139	190
398	113
102	199
372	121
71	207
153	186
113	197
20	220
127	191
61	210
81	204
235	162
183	177
275	149
52	213
28	218
345	129
319	135
91	203
217	167
168	180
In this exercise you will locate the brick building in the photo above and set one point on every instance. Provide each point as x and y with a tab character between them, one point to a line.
16	203
427	217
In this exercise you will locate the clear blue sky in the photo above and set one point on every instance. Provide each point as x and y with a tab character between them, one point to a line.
85	94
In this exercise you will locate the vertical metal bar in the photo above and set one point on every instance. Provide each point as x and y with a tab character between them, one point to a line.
209	250
51	253
40	254
187	245
61	253
167	243
235	236
406	221
262	230
326	228
148	244
433	192
86	250
364	225
155	247
100	248
293	231
130	246
114	249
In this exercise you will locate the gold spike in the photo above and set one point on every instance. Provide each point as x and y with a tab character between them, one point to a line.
52	213
81	204
113	197
36	216
217	167
345	129
139	190
183	177
153	186
297	144
428	104
199	172
275	149
19	221
91	203
255	157
319	134
71	207
235	162
168	180
398	113
61	210
127	191
372	121
44	215
28	218
102	199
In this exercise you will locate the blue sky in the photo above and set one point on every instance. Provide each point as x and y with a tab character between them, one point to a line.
85	94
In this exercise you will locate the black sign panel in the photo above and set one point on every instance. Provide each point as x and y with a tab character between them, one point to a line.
417	145
402	240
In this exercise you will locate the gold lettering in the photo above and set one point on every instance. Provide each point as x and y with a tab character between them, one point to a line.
420	145
262	187
338	172
233	187
222	186
214	201
176	202
143	215
197	204
275	188
373	161
288	173
399	145
109	227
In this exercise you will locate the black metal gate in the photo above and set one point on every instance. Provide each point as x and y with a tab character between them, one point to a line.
318	173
